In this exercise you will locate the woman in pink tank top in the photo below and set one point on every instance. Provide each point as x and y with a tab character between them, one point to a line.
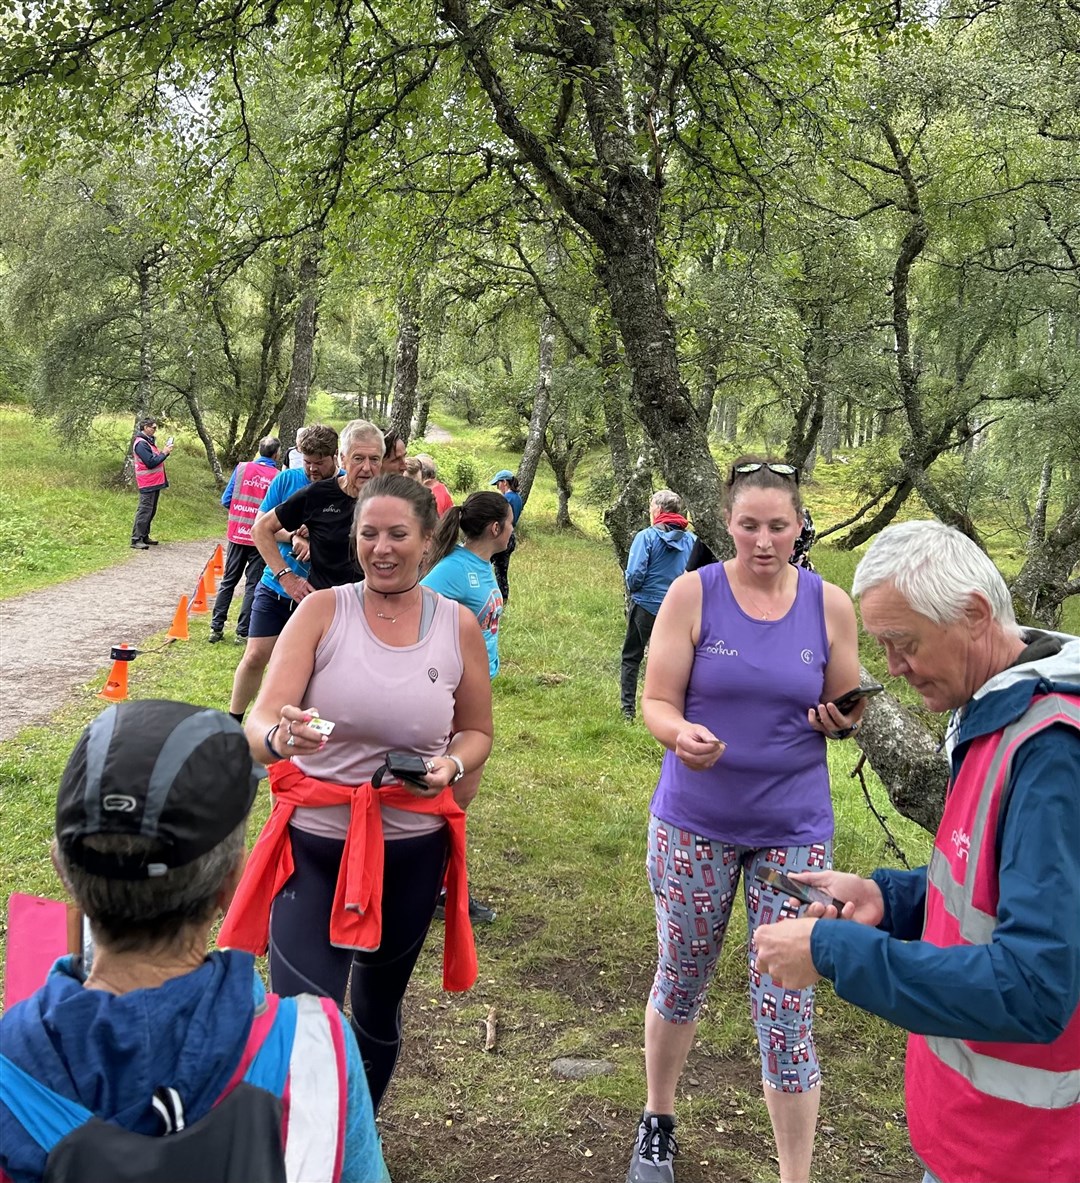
348	873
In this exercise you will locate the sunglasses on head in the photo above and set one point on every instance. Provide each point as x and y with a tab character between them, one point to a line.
780	469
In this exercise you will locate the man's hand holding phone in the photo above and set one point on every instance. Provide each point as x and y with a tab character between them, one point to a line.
862	899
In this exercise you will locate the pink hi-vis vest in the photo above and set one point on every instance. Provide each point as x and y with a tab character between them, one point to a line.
316	1090
990	1112
147	478
249	488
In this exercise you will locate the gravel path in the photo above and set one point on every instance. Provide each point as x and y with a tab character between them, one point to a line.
54	640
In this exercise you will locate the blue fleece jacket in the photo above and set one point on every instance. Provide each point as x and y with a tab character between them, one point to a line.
110	1052
1025	984
658	557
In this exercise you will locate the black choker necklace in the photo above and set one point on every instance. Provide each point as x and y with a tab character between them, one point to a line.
404	591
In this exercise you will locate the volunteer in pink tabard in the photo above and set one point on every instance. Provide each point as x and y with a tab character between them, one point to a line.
744	656
149	461
242	497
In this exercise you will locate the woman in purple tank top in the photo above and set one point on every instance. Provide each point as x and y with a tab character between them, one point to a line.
747	658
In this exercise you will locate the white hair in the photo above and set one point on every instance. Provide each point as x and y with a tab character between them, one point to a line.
667	502
357	428
936	569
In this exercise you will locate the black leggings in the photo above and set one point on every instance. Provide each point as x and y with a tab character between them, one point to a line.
302	960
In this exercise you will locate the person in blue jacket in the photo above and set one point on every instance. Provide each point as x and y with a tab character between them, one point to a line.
507	484
153	1034
977	954
658	556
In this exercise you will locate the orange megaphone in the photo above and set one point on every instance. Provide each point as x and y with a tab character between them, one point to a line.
218	561
179	630
198	605
116	687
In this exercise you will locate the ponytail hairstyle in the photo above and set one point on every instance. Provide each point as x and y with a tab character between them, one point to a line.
471	518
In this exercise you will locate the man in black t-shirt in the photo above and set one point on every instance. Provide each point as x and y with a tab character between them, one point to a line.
327	511
326	508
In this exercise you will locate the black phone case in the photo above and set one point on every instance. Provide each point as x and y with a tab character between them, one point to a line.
846	701
407	766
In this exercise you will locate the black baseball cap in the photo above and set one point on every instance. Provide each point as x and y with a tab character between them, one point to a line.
179	774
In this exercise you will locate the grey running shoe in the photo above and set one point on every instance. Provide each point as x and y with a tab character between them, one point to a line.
215	636
654	1155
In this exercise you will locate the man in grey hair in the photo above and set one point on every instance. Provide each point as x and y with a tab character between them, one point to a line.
977	954
658	557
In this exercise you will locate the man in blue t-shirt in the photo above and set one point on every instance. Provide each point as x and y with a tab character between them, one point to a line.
272	605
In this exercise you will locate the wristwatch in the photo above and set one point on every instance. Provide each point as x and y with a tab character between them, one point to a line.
460	768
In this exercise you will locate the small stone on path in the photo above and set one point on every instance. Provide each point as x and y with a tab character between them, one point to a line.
570	1068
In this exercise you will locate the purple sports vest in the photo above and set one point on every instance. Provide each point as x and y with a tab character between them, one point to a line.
751	684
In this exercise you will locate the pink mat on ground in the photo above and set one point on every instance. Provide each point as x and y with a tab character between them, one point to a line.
36	937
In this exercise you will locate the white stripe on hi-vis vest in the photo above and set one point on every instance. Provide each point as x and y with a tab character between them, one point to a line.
1038	1088
314	1099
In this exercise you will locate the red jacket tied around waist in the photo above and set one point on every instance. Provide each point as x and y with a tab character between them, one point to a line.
356	916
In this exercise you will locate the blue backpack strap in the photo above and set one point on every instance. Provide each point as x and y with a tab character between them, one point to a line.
46	1116
270	1068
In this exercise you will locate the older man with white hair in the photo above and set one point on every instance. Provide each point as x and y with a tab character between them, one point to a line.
978	954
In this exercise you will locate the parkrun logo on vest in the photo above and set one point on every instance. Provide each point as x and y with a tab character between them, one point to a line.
962	842
718	650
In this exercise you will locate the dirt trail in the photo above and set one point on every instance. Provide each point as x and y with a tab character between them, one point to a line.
54	640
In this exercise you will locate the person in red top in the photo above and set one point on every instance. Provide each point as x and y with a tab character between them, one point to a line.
150	478
242	497
429	479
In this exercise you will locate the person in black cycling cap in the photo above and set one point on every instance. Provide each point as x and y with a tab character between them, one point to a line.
158	1061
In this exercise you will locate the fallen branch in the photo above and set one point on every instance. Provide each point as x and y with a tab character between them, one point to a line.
491	1031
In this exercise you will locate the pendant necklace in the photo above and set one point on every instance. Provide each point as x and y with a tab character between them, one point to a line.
754	605
401	611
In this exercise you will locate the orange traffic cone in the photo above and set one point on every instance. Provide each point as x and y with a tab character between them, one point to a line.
198	605
117	686
179	630
208	579
218	561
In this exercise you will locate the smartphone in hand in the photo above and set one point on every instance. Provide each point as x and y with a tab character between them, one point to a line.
803	892
846	701
169	442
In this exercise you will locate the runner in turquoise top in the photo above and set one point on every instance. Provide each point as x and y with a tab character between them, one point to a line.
463	573
464	576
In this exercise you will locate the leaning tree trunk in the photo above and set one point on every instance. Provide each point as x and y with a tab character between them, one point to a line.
144	276
538	419
192	400
623	221
406	362
906	758
1044	580
294	409
628	513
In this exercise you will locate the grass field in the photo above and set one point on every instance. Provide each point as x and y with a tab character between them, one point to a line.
557	845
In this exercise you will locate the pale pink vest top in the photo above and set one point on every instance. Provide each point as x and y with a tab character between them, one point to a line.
381	698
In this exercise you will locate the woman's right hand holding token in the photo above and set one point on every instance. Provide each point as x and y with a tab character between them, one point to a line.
697	747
